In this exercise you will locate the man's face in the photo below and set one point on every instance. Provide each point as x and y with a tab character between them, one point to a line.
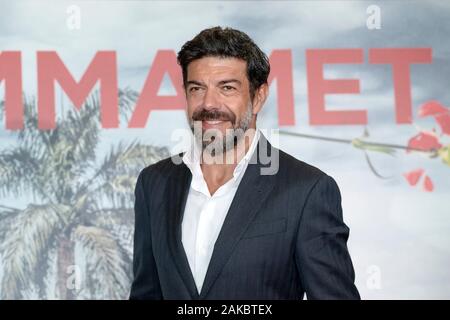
218	98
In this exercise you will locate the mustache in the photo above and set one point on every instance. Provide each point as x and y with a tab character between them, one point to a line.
213	115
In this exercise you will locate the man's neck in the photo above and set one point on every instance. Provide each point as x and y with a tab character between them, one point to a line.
218	171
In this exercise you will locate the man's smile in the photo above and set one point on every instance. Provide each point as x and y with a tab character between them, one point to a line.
214	124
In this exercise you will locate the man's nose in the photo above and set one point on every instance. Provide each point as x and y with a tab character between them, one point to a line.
210	99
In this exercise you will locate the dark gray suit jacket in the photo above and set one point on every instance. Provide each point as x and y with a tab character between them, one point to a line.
284	235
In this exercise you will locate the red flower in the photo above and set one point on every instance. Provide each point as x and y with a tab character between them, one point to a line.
440	113
426	141
432	108
443	121
428	184
413	176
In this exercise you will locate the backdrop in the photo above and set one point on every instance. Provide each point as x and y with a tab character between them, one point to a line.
91	93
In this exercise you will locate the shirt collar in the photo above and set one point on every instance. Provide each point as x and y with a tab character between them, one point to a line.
191	159
242	165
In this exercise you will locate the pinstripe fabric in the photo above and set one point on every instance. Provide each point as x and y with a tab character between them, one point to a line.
283	236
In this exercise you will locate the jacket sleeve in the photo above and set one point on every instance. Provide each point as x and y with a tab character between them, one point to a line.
322	257
146	282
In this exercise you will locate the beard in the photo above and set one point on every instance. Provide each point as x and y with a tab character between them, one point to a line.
213	141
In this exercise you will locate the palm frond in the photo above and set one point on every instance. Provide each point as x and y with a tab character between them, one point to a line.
127	158
18	167
115	215
71	150
26	241
31	138
117	173
7	215
108	266
119	222
80	131
118	191
127	100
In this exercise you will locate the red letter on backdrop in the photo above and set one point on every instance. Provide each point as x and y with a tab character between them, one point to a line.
281	70
318	86
400	59
103	68
11	71
165	61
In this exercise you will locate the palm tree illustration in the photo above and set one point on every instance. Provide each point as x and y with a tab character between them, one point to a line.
75	240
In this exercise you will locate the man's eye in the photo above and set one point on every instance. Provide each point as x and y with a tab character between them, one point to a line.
193	89
228	88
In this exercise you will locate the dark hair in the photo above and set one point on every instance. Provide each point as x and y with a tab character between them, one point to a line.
227	43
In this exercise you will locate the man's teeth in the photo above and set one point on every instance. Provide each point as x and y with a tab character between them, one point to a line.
213	122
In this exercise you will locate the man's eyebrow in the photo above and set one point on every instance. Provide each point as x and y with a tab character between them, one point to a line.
229	80
194	82
222	82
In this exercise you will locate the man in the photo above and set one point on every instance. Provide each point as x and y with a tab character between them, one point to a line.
220	224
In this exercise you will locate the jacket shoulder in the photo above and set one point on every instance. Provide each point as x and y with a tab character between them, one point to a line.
300	173
304	178
296	167
160	171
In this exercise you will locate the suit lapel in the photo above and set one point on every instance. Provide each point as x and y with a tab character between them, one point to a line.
253	189
176	193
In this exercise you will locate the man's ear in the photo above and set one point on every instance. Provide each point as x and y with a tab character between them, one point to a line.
260	97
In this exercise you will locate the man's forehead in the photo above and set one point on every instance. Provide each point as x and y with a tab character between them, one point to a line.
216	66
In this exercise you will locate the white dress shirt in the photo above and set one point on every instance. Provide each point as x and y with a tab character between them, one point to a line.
204	214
